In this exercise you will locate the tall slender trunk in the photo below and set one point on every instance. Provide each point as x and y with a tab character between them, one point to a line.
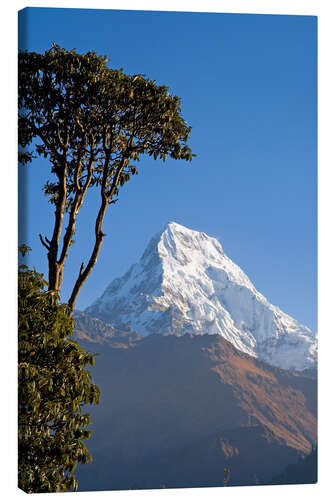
99	235
54	268
84	272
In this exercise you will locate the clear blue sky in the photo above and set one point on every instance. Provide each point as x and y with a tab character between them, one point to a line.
248	88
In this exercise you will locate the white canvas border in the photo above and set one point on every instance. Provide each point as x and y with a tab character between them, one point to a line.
8	200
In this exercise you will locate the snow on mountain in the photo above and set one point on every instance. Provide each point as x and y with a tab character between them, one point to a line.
185	283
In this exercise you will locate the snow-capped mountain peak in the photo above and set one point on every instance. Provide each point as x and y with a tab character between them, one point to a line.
185	283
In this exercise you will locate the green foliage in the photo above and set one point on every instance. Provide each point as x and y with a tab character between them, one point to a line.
226	477
53	387
24	249
92	124
82	110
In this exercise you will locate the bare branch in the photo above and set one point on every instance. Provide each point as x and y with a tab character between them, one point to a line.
99	235
43	242
77	203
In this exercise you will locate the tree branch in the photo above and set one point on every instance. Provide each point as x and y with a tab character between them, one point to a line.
43	242
77	203
81	269
99	235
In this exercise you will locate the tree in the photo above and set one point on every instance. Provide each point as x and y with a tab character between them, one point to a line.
93	124
53	387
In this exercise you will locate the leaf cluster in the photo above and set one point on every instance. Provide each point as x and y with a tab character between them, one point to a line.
76	111
53	387
92	123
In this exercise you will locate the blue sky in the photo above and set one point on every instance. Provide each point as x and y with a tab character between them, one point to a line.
248	88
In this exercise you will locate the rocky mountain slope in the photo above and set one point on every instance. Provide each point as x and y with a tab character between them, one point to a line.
177	410
92	332
185	283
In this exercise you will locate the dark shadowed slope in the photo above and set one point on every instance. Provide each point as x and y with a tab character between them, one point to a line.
303	472
177	410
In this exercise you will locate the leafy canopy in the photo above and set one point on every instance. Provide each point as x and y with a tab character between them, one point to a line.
92	123
75	104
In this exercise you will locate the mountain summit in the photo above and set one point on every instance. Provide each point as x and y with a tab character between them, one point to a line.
184	283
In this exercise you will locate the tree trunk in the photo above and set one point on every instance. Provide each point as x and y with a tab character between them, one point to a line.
54	268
